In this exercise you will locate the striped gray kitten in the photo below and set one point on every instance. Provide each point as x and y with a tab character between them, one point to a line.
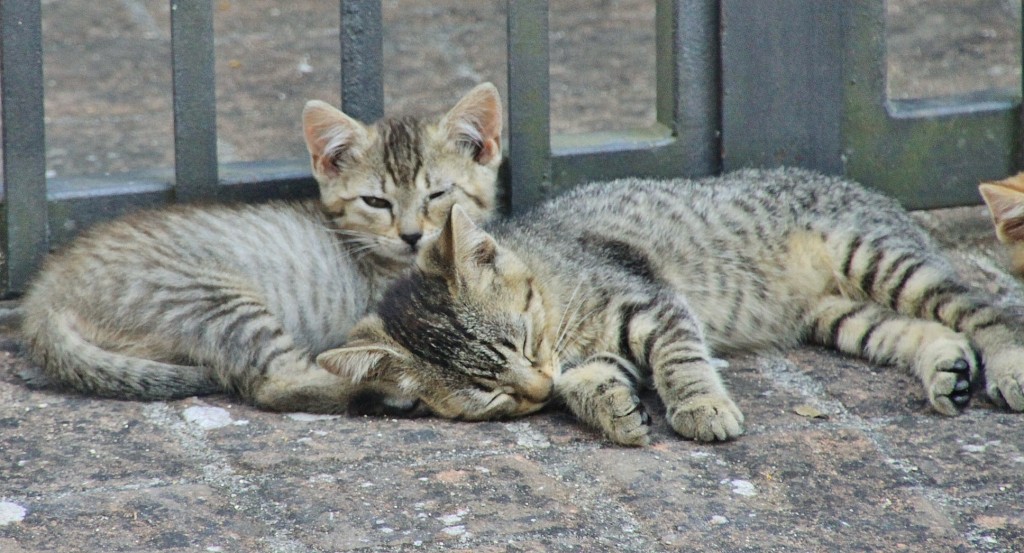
636	282
196	300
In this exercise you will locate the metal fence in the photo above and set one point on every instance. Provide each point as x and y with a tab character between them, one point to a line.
739	83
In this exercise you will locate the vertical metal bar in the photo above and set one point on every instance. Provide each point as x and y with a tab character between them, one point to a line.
688	66
195	108
782	83
362	59
24	145
1019	157
529	103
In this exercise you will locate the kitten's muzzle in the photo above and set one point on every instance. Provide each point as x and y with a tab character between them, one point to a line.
538	391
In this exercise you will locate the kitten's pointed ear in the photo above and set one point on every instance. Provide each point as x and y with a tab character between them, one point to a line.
475	124
331	137
369	354
1005	201
461	249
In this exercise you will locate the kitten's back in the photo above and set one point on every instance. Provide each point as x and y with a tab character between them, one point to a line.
126	292
748	249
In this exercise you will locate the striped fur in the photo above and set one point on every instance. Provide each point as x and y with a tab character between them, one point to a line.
635	282
196	300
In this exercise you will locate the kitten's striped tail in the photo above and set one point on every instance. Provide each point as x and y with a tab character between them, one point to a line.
75	362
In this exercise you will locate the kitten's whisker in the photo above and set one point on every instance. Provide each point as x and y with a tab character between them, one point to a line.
577	323
563	330
568	303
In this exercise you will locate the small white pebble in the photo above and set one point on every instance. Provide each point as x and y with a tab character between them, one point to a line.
11	512
450	519
207	418
718	520
743	487
309	417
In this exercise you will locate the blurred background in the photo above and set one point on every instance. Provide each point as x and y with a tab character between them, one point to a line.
108	80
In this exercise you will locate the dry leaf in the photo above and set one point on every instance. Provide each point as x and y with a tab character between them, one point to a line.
810	412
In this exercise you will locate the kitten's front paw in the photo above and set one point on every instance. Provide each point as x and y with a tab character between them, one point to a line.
622	417
1004	378
707	418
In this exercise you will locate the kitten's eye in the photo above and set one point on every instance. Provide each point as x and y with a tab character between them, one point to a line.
435	195
375	202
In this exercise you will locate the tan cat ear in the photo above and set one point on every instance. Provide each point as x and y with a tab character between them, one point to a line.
1006	204
358	363
461	249
475	124
367	355
331	137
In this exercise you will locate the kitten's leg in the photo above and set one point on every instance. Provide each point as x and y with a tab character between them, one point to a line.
997	334
663	334
601	392
919	284
942	358
230	329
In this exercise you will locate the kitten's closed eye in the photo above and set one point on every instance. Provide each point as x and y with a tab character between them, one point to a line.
435	195
375	202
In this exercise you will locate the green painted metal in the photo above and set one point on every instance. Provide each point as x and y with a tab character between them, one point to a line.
529	105
739	82
195	109
683	142
804	83
24	224
362	59
926	153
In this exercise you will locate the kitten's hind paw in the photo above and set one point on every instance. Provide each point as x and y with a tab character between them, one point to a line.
623	418
950	387
1004	379
707	418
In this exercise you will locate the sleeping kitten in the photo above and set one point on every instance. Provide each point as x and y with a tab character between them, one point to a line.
197	300
635	282
1005	201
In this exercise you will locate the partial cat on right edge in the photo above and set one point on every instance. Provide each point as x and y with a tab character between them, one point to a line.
1005	201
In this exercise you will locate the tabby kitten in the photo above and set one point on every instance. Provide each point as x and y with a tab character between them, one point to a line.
1005	201
196	300
638	282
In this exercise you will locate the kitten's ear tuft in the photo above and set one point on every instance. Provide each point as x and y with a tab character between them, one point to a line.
461	249
475	124
368	355
1005	201
331	137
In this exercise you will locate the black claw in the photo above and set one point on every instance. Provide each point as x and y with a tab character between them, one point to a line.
645	417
